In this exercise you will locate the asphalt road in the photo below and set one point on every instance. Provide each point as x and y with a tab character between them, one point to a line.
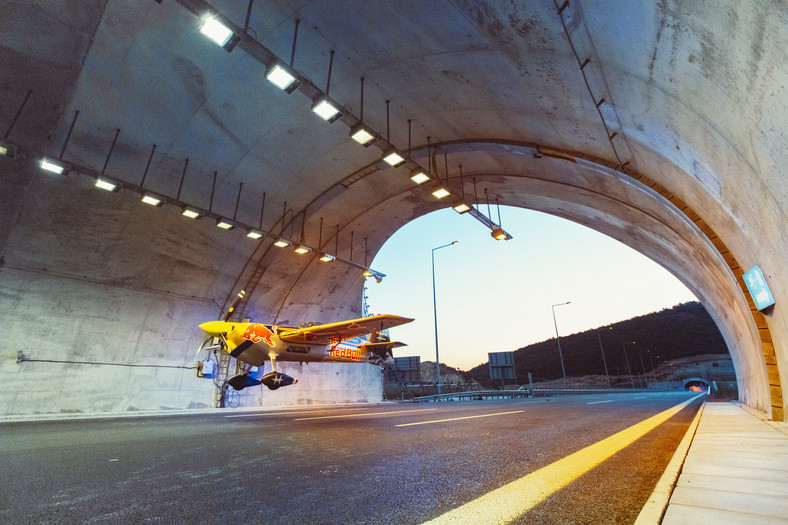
334	465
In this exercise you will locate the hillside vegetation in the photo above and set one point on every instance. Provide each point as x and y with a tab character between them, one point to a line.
681	331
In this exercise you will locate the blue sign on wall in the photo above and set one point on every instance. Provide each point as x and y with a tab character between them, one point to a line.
759	290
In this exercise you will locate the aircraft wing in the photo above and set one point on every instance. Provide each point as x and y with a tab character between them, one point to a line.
326	333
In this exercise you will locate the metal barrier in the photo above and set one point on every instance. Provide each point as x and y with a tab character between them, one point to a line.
528	392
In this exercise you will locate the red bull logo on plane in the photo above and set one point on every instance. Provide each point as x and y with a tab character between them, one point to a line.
354	354
258	332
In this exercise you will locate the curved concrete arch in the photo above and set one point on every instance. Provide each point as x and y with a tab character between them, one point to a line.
565	184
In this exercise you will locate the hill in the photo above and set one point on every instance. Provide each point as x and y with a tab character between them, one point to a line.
681	331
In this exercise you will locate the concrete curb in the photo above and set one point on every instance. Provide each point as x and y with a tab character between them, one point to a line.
657	503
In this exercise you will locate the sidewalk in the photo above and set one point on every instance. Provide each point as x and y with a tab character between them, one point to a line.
736	471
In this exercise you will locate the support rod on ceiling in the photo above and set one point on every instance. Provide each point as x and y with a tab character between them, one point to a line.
183	176
111	149
18	112
361	111
388	128
213	190
330	67
68	135
248	16
409	146
238	200
295	39
147	167
262	211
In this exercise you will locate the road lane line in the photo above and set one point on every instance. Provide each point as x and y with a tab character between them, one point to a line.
514	499
459	418
365	414
597	402
290	413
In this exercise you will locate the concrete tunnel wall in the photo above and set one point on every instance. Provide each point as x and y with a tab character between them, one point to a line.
694	92
130	292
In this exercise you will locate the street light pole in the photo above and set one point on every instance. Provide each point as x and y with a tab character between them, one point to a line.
435	316
558	339
624	346
603	357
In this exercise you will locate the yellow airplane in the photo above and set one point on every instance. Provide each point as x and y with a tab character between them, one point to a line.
341	342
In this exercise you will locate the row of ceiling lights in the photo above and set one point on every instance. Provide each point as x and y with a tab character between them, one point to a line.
60	167
279	75
282	77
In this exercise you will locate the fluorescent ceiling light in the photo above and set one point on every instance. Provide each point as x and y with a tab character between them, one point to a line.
326	110
368	273
224	224
393	158
419	177
361	135
327	258
151	199
51	166
282	78
106	185
7	150
254	234
281	243
191	213
303	249
216	31
441	193
461	207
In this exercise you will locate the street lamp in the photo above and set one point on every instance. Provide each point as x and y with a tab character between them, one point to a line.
435	316
561	355
604	362
624	346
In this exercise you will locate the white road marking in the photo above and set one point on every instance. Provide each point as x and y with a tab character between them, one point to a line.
459	418
597	402
509	502
365	414
301	412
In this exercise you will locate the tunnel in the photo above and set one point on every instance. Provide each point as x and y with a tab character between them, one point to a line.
661	126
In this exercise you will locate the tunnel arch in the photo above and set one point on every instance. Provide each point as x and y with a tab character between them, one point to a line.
690	380
626	206
493	91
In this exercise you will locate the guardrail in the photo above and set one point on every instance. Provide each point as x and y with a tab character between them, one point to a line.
528	392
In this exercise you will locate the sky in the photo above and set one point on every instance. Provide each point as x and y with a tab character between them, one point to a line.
496	296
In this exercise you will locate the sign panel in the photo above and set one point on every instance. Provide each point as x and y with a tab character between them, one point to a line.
759	290
501	365
408	369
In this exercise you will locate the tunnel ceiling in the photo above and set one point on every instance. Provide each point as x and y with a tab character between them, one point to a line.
681	103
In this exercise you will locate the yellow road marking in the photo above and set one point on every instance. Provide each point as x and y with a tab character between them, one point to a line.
365	414
458	418
514	499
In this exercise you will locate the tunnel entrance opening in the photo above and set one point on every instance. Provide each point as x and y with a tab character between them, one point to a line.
498	296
